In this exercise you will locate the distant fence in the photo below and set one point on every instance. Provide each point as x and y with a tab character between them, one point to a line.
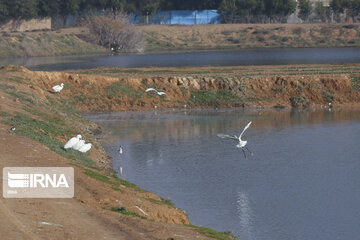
184	17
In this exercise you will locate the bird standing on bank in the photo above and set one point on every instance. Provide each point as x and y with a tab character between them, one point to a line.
155	91
241	144
72	141
58	88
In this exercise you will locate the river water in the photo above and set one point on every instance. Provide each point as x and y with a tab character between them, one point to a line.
303	181
279	56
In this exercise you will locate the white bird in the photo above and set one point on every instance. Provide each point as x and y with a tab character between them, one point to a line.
241	144
120	150
58	88
155	91
13	129
85	147
79	144
72	141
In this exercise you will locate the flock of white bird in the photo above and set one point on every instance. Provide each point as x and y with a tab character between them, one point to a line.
78	144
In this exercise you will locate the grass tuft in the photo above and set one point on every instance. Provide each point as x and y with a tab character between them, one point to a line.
214	234
125	211
207	97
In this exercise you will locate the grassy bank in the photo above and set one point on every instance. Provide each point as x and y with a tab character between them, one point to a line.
230	36
49	43
74	41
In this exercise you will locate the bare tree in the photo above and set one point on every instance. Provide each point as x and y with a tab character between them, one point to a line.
116	35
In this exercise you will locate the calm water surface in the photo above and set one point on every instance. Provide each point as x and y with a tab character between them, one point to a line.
302	183
277	56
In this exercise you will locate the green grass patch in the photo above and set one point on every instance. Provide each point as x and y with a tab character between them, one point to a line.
5	114
16	79
207	97
113	180
297	101
98	176
22	96
183	90
125	211
214	234
162	201
48	134
328	95
118	88
355	80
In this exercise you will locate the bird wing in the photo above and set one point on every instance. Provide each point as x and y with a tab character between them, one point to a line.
162	93
56	87
71	142
150	89
78	145
246	127
220	135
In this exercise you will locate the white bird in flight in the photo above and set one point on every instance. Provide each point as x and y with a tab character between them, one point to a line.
155	91
58	88
72	141
85	148
241	144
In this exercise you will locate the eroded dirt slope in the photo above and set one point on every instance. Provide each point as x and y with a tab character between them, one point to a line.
246	87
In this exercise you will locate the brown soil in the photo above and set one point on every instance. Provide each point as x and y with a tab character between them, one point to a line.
313	86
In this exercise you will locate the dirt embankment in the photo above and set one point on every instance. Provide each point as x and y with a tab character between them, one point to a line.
105	90
104	206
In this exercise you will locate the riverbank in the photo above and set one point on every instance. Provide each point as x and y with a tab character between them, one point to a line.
165	38
242	36
71	41
103	206
248	87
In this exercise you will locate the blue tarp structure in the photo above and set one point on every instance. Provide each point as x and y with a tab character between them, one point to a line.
184	17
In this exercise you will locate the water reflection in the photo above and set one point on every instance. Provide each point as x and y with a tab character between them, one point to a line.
279	56
245	215
302	183
175	126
